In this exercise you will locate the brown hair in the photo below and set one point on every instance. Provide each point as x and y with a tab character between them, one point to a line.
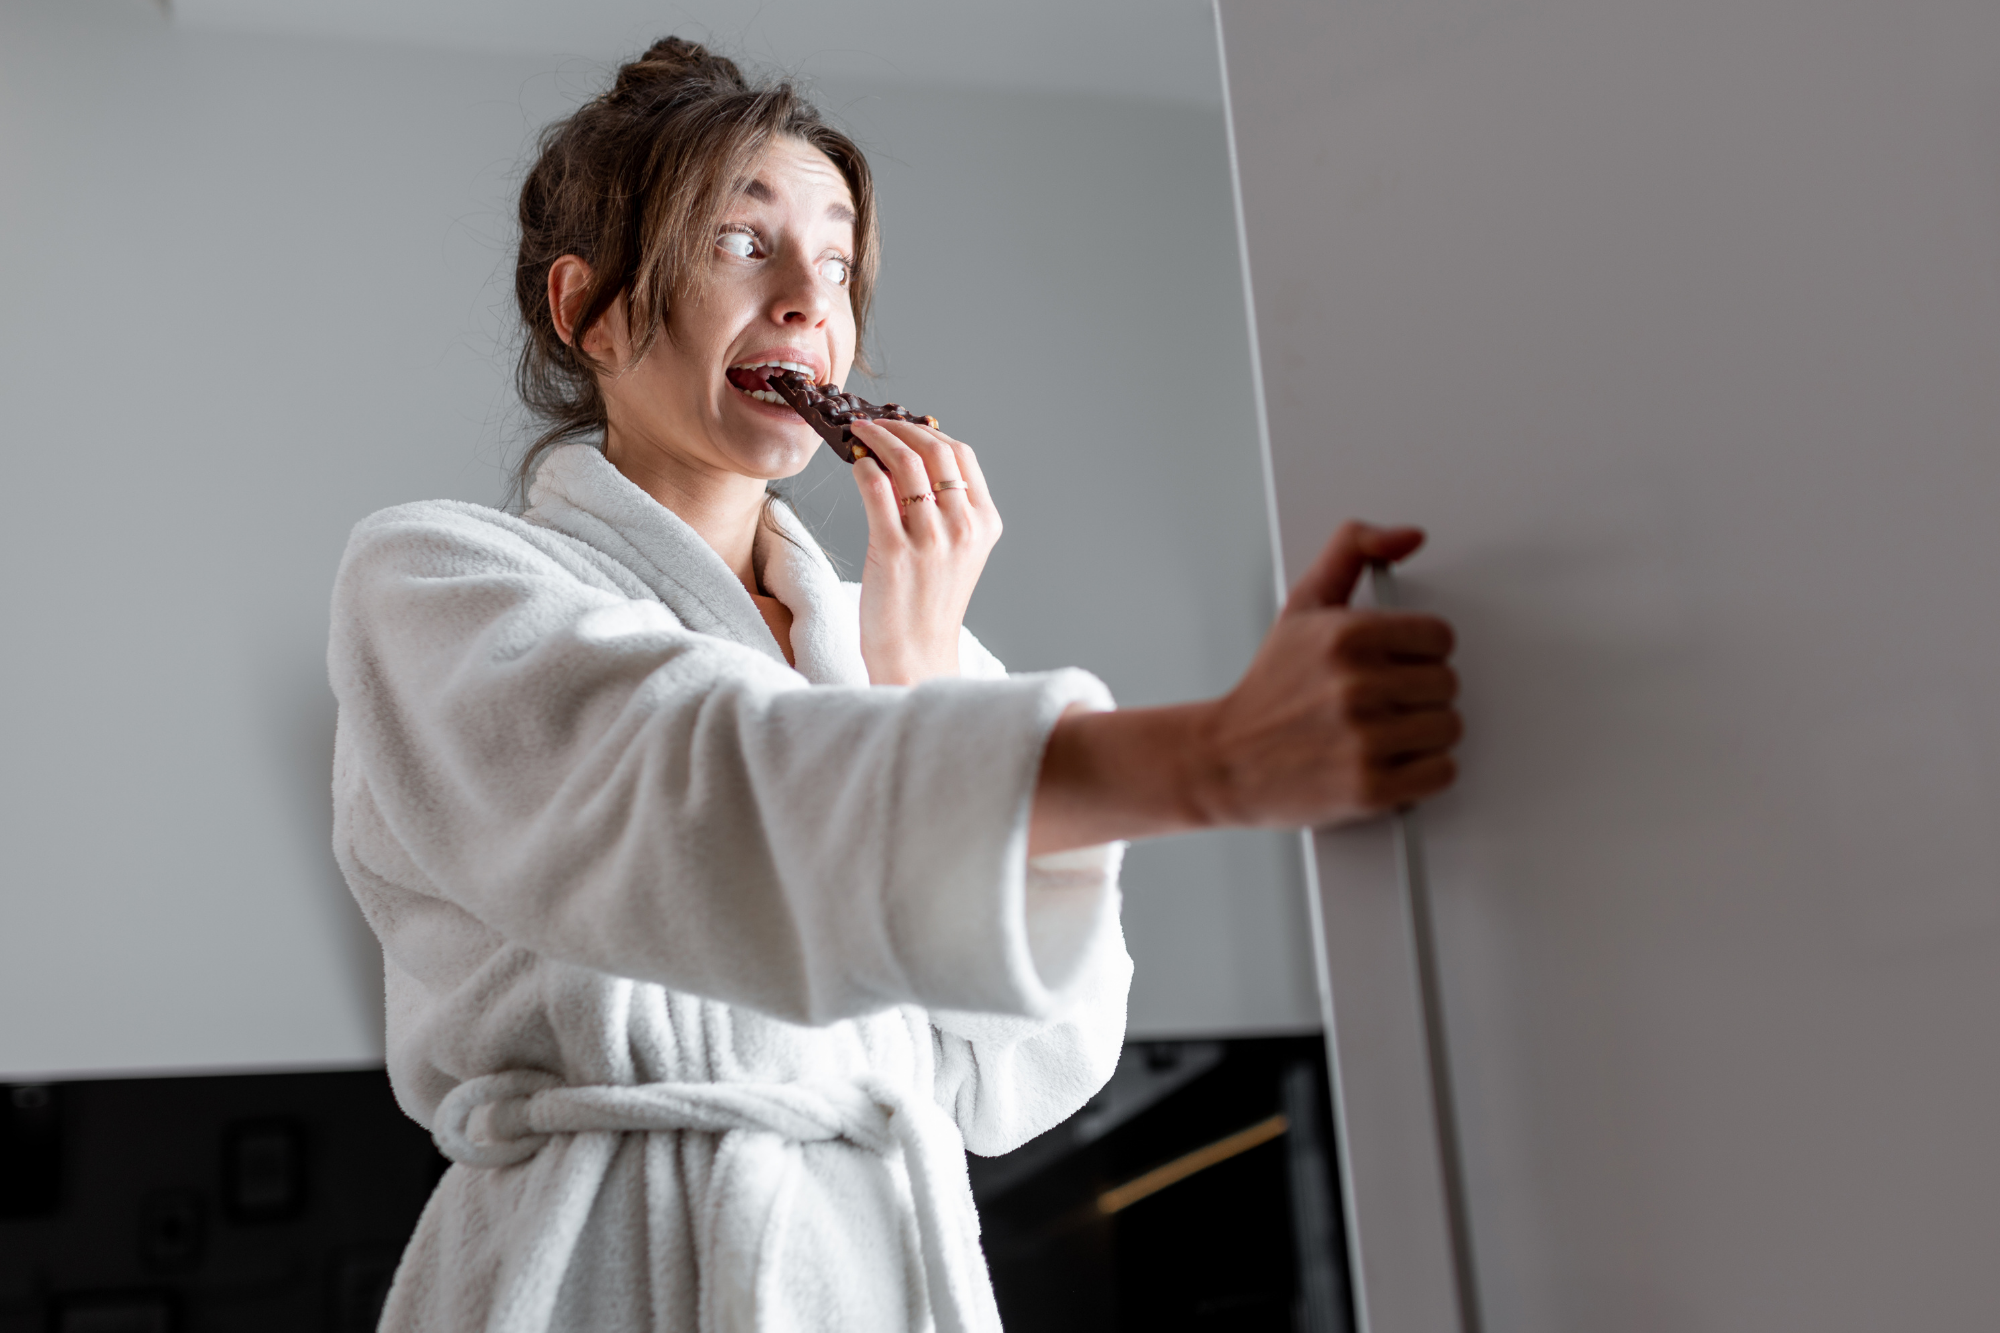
635	184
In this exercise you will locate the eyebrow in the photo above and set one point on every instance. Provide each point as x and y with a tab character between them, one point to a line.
756	189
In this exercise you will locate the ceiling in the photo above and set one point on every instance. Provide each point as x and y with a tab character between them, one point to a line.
1120	48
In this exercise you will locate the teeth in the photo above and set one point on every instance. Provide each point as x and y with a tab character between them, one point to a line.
811	376
771	396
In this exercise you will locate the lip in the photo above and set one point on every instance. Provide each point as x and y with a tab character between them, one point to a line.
802	355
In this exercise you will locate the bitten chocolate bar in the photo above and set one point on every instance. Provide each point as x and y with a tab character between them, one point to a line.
831	414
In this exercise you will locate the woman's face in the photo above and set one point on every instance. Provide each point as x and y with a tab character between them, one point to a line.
777	293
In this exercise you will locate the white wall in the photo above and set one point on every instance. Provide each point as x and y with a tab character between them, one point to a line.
247	303
257	289
1680	326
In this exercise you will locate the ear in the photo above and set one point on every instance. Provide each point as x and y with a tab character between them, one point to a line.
568	277
607	340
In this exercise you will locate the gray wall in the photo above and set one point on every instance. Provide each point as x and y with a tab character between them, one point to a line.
1061	285
255	292
1680	326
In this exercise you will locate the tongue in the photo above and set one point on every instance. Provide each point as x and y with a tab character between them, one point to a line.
749	380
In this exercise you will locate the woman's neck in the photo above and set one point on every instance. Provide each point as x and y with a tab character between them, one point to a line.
724	507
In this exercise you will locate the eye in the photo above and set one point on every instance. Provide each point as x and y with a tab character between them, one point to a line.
738	241
834	268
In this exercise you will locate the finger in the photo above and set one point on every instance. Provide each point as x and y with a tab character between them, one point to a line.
1393	741
940	463
1401	689
1406	784
906	469
878	501
976	493
1331	579
1410	637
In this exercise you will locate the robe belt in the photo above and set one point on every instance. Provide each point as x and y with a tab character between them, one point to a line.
524	1108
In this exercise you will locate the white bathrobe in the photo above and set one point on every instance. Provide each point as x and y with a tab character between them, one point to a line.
705	970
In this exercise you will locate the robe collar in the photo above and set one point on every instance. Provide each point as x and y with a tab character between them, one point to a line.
579	493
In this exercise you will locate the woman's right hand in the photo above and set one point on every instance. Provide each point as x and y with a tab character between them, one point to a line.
1343	714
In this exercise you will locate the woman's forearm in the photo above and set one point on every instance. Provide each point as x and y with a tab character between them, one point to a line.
1133	773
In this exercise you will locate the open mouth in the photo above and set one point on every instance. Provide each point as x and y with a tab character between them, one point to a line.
753	379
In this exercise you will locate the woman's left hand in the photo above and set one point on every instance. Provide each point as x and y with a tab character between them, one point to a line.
931	525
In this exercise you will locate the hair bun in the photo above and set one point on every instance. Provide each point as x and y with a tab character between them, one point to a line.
672	61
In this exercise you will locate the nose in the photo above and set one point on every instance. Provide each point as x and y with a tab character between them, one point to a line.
801	299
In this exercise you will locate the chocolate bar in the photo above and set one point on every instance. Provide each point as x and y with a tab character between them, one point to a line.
833	413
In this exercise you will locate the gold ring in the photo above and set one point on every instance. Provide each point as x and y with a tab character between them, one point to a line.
947	486
908	500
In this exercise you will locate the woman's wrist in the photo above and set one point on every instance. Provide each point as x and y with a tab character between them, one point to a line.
910	665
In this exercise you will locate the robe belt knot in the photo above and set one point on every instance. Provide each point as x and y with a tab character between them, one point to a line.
525	1107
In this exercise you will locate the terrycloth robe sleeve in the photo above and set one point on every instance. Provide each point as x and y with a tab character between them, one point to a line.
572	766
1004	1078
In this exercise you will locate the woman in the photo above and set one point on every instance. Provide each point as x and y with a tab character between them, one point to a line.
725	904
